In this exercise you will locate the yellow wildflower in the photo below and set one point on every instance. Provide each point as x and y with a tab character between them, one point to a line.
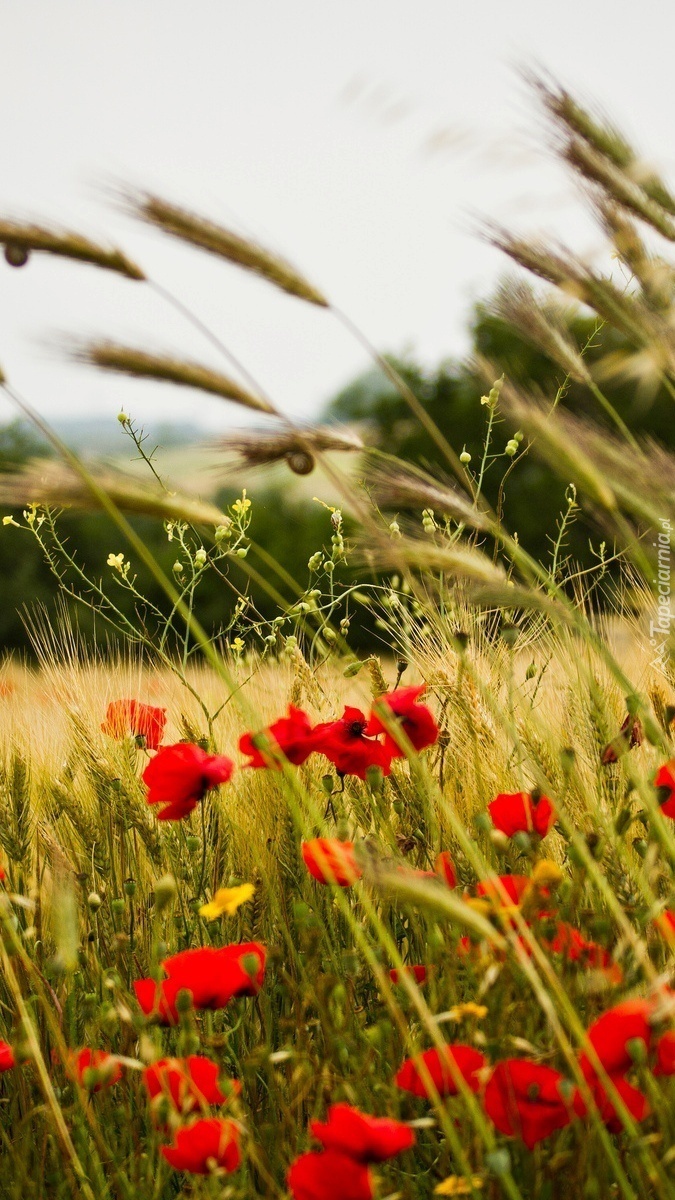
458	1185
227	900
460	1011
546	874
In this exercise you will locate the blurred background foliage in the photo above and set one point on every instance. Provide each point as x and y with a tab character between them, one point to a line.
290	527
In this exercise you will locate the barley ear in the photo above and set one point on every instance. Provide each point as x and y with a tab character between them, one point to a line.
216	239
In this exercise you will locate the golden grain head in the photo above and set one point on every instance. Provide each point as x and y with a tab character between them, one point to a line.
542	324
129	360
21	239
216	239
398	486
299	448
54	484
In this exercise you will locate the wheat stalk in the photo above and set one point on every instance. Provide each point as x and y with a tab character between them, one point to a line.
53	483
216	239
19	239
128	360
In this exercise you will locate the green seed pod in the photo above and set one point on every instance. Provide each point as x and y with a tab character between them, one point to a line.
130	887
522	841
165	892
184	1001
623	820
193	843
637	1051
118	905
352	669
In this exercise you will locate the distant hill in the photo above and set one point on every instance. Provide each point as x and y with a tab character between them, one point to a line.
101	435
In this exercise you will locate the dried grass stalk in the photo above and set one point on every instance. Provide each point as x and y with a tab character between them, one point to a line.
127	360
542	324
64	244
199	231
393	486
602	137
626	312
654	275
52	483
298	447
451	559
618	185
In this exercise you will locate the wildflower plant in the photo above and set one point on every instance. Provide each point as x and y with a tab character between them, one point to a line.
349	926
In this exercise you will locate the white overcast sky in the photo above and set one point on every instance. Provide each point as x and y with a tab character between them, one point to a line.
355	137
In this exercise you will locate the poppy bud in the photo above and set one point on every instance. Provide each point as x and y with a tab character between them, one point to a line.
637	1050
567	757
193	843
328	784
575	856
499	840
522	841
250	963
498	1162
374	779
352	669
482	822
94	901
184	1000
623	820
640	847
509	634
531	671
165	892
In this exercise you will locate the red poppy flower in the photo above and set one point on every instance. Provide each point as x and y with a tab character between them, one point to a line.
523	1099
443	1069
445	867
633	1099
665	923
665	1054
180	776
364	1138
7	1059
612	1031
520	812
212	976
331	861
142	720
203	1145
329	1175
189	1083
572	945
418	973
291	735
94	1069
629	735
665	782
515	887
416	720
344	744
